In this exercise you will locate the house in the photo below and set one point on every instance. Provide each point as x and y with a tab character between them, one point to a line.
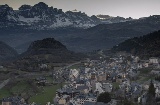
74	73
125	85
145	63
13	101
6	103
88	83
134	66
64	100
79	82
136	94
139	65
113	76
145	86
133	73
122	53
83	89
99	88
101	77
155	65
33	103
93	85
143	98
158	66
93	76
107	87
120	76
120	93
81	99
87	70
94	103
91	98
153	60
157	92
155	72
43	67
157	87
136	59
72	92
41	81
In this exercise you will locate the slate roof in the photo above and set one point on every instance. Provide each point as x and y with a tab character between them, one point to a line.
13	100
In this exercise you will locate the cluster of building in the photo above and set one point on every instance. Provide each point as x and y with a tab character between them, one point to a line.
13	101
117	76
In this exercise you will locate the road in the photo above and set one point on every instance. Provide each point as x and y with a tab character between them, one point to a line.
4	83
72	64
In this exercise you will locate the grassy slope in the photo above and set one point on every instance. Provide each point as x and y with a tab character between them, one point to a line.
20	87
4	93
46	96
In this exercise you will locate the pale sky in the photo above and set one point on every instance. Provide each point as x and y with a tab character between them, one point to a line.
124	8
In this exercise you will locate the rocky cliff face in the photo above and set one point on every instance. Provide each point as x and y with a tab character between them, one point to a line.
40	17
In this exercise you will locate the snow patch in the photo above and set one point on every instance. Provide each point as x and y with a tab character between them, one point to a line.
29	20
61	22
11	18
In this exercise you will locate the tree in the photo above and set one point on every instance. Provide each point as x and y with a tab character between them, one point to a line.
104	97
127	102
151	90
151	95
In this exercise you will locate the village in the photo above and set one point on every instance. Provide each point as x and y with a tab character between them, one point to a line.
123	76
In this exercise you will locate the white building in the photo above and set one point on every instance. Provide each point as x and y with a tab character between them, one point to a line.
43	66
139	65
74	73
99	88
154	60
107	87
87	70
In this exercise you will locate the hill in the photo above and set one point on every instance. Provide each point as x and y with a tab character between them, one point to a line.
47	51
45	46
105	36
6	52
144	46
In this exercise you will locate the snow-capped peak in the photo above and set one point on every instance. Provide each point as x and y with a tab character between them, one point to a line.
40	15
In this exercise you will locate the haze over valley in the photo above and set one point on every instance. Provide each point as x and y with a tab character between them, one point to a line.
67	52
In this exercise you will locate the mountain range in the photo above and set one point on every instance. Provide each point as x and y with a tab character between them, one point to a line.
105	36
41	17
19	28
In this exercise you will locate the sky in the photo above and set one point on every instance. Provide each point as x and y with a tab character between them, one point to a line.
124	8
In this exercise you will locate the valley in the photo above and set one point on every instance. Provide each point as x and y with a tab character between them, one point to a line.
62	56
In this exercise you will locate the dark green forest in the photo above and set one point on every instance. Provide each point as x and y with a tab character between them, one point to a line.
145	46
